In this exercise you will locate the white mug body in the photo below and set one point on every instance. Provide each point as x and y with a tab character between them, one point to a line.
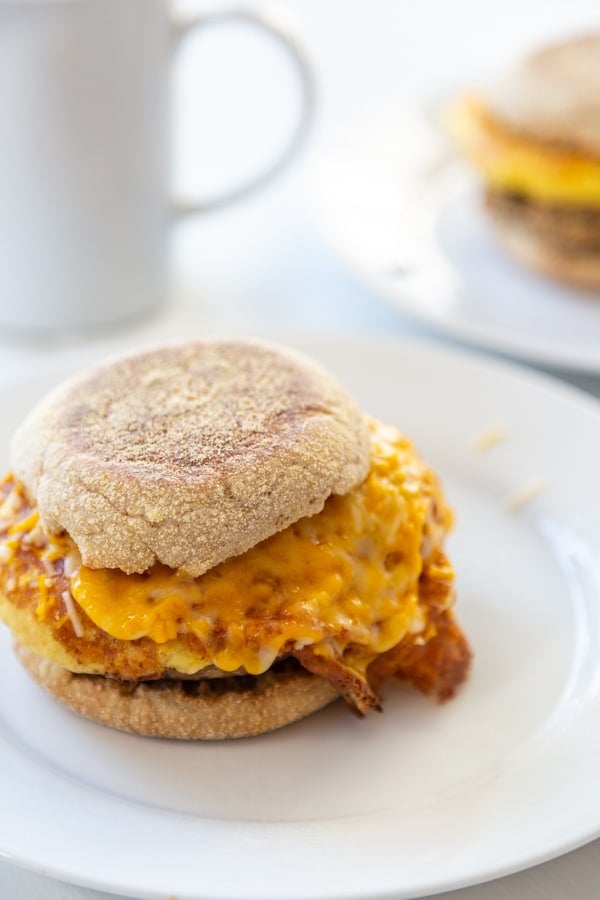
85	200
84	152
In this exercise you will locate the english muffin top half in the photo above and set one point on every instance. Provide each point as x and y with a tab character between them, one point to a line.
189	454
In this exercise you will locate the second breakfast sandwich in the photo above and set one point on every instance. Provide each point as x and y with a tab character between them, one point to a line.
535	138
210	540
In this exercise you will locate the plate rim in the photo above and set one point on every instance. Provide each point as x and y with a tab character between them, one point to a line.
501	368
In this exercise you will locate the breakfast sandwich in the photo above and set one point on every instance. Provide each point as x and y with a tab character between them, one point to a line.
211	540
535	139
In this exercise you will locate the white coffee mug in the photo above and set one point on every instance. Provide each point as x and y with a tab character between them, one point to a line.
85	153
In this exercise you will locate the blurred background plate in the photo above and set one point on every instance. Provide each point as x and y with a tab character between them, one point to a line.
406	217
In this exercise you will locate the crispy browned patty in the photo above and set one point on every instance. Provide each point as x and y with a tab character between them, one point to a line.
241	706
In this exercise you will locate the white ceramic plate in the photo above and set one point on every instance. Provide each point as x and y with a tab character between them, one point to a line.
420	799
407	219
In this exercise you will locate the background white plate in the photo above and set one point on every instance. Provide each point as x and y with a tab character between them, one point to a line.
407	219
420	799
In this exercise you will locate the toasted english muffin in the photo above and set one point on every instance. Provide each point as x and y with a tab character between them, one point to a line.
211	540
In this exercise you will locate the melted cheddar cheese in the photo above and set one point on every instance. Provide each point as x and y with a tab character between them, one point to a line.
514	162
344	581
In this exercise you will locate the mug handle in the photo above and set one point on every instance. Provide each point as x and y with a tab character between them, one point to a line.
281	33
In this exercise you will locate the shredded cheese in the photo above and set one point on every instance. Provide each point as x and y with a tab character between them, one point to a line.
26	524
525	494
6	553
45	600
72	563
72	613
489	437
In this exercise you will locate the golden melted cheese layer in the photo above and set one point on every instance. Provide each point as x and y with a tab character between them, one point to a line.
513	162
344	581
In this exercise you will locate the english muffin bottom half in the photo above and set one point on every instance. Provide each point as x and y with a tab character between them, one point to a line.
210	540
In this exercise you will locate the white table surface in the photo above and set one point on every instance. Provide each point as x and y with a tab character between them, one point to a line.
260	267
